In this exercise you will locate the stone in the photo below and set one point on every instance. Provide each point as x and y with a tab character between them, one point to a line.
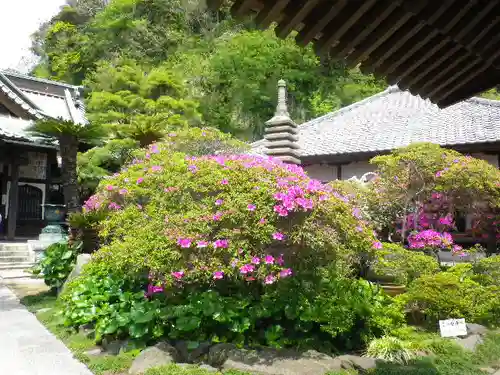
476	329
191	355
95	352
45	309
208	368
357	363
87	330
218	354
280	362
114	346
470	343
488	370
159	355
81	260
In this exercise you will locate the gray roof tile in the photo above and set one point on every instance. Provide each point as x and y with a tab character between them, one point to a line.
395	118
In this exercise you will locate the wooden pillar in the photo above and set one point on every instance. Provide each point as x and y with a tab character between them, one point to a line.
13	200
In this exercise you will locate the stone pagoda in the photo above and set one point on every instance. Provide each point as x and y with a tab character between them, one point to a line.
281	133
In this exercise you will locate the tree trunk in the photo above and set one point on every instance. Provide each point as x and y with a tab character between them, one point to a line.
69	151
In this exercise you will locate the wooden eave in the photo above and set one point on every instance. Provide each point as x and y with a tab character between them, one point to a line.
446	50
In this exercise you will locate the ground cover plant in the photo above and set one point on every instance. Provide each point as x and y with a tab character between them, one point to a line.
236	248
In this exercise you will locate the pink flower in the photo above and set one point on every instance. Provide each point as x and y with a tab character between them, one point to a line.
219	202
202	244
262	221
154	148
247	268
184	242
280	261
123	191
269	259
193	168
278	236
223	244
140	180
359	228
110	187
224	181
356	212
217	216
281	210
114	206
255	260
251	207
152	289
286	272
270	279
218	275
178	275
156	168
377	244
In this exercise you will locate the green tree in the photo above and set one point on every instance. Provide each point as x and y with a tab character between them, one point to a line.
69	135
138	103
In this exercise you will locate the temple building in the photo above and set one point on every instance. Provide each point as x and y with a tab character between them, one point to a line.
29	167
339	145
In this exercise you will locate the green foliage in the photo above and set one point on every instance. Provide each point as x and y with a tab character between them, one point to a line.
390	349
100	162
409	177
487	270
135	102
453	294
222	264
403	265
56	264
229	68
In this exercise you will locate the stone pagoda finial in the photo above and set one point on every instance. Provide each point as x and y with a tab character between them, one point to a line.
281	132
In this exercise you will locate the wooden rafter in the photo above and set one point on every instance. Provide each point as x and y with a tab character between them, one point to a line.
444	50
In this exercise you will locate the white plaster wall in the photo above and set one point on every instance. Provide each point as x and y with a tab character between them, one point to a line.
322	172
356	169
5	200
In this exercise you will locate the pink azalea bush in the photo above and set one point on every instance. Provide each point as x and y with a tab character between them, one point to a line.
236	245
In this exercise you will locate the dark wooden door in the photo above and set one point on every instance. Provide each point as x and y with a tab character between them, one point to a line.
29	203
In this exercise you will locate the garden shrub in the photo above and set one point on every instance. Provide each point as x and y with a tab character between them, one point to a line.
454	295
390	349
57	263
235	248
403	265
487	270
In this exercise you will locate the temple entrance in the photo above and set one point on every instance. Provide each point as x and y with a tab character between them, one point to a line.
29	214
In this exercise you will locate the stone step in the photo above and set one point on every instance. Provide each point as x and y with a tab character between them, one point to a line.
16	266
14	258
14	252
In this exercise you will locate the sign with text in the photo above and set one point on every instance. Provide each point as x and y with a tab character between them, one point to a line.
453	327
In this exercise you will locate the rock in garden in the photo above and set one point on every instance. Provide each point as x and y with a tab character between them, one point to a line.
114	346
470	342
357	363
476	329
159	355
280	362
208	368
218	354
191	355
81	260
94	352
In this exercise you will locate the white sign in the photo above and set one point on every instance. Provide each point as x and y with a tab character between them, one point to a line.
453	327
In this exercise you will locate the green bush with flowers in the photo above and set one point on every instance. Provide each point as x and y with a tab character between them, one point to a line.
238	248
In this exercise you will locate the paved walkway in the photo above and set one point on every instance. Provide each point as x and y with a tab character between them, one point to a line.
26	347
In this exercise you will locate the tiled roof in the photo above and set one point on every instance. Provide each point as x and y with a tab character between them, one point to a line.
39	98
14	129
395	118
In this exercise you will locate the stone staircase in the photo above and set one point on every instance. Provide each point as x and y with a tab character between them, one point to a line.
16	255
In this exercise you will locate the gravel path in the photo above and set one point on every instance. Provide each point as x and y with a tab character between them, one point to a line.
27	347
